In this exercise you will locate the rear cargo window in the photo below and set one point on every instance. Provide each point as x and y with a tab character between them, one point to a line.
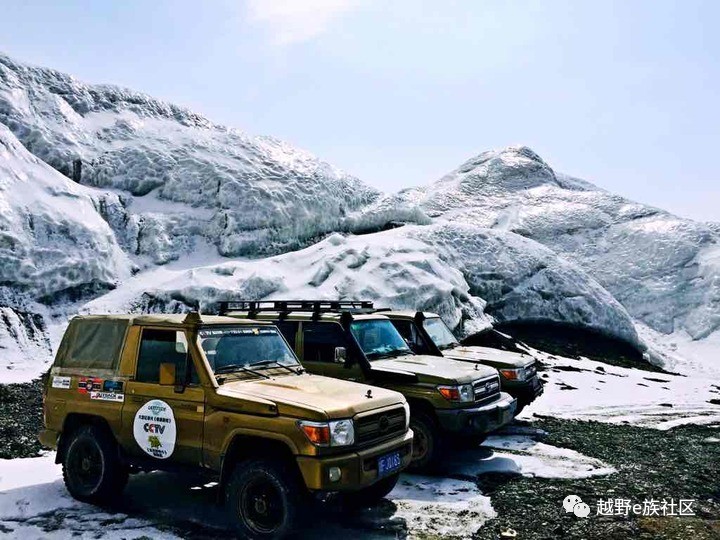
93	344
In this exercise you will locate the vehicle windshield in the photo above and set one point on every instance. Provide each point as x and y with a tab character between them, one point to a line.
379	339
243	348
439	333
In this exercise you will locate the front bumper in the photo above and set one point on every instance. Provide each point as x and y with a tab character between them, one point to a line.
478	420
358	469
525	392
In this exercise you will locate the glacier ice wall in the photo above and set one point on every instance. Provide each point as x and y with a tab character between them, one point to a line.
664	269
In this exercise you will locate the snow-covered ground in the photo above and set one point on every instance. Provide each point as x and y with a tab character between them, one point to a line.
584	389
35	504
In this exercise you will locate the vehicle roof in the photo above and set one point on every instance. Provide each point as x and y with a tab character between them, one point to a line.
307	316
407	314
168	319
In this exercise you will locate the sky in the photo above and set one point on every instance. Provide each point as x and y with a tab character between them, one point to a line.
623	94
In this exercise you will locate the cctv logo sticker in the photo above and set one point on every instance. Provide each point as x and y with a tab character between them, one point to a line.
155	430
574	504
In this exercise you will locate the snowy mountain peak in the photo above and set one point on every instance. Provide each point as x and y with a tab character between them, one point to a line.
510	169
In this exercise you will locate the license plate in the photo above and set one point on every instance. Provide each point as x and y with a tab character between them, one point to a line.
389	463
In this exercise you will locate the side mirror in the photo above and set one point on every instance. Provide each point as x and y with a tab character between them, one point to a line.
167	374
180	343
340	355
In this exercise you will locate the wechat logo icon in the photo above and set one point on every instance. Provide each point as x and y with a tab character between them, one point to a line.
574	504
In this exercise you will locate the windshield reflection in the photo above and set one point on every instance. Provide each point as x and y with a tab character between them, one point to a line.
439	333
240	348
379	339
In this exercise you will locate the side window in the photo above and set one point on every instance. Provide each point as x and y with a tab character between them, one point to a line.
162	346
320	340
412	337
288	329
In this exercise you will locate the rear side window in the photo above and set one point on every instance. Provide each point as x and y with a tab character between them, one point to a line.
288	329
320	340
92	344
161	347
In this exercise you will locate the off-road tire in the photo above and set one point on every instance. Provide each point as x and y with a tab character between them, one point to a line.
427	444
256	490
519	408
92	469
371	495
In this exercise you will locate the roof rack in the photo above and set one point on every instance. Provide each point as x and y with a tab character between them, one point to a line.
285	306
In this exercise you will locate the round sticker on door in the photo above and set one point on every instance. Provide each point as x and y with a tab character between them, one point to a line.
155	429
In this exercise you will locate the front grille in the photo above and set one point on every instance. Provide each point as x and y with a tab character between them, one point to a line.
485	388
378	426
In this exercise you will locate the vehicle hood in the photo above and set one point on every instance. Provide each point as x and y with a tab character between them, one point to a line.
435	369
496	358
309	396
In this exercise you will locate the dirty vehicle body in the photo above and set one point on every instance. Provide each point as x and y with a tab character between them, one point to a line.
450	401
223	397
426	333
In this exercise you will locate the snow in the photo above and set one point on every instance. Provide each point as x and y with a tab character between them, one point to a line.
583	389
521	454
432	506
442	269
35	504
663	269
249	195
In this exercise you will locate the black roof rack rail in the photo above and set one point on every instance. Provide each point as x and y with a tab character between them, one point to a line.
284	306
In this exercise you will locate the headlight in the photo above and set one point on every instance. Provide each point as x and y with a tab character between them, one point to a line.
335	433
406	405
463	393
513	374
342	433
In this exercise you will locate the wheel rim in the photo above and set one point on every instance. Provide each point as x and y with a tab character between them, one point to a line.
420	443
86	465
261	506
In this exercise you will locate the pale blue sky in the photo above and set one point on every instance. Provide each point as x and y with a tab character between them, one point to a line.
624	94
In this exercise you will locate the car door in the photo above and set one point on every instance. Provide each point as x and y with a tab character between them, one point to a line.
160	421
319	340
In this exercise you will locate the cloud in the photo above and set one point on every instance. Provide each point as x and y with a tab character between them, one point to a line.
295	21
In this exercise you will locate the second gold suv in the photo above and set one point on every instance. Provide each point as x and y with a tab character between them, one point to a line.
348	340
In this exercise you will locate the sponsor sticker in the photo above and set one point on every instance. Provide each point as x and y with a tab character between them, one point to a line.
61	382
108	396
115	387
209	332
89	384
155	429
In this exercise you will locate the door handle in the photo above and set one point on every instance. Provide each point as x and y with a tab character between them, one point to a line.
137	399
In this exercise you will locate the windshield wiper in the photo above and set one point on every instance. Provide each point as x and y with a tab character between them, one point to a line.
291	370
237	367
390	354
448	346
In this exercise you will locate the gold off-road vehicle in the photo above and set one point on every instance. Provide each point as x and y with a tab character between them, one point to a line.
426	333
450	401
131	393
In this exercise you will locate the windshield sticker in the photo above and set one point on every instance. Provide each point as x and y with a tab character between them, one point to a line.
108	396
61	382
155	430
235	332
89	384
